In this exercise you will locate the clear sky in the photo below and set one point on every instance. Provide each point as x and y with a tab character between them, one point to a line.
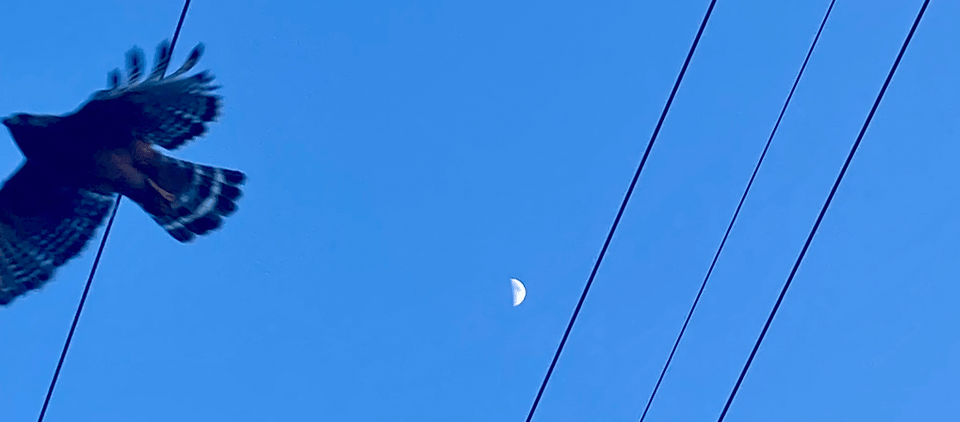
406	159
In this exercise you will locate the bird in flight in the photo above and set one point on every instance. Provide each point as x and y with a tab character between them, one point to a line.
76	163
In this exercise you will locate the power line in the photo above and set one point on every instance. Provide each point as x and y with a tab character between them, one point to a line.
823	211
96	261
623	206
736	213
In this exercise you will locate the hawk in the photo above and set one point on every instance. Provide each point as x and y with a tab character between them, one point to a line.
75	165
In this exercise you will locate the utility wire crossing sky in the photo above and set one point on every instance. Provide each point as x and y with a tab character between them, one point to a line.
364	274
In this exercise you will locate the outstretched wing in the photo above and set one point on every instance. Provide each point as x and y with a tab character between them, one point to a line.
164	111
43	224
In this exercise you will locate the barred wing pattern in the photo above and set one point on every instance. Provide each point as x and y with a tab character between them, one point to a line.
53	205
169	111
43	224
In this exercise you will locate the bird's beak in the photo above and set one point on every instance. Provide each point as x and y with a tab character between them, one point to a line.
8	121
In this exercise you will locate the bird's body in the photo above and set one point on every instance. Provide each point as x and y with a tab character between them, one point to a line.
76	163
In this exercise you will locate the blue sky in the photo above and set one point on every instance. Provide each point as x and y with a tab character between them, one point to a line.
406	160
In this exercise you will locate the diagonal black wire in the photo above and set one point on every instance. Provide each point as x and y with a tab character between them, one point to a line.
623	206
96	261
736	213
823	211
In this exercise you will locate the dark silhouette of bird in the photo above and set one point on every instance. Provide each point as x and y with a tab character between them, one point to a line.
75	165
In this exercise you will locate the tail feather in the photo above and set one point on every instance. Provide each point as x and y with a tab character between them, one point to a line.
203	196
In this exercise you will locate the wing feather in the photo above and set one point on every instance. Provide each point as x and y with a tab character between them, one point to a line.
43	224
164	111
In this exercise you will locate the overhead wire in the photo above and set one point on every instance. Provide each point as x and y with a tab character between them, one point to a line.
823	211
96	260
623	206
736	214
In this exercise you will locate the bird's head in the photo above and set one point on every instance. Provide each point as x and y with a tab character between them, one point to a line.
28	130
15	120
21	121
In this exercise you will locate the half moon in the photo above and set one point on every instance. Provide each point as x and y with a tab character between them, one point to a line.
519	292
